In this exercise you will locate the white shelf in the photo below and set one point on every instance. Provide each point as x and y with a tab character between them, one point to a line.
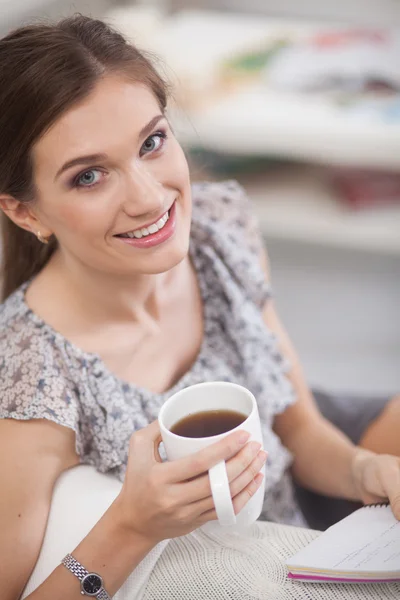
257	122
297	204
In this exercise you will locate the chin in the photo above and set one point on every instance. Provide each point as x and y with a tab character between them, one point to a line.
160	261
165	262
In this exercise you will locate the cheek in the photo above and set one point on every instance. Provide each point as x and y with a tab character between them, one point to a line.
178	165
79	216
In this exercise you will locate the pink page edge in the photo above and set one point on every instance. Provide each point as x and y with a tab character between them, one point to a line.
339	579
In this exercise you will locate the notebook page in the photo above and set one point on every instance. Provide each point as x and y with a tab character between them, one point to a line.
368	540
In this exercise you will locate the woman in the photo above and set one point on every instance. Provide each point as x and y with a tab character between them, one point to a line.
108	310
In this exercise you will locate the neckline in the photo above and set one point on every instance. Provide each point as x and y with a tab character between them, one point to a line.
97	362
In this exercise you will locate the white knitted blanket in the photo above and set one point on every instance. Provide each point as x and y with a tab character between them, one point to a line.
246	567
205	565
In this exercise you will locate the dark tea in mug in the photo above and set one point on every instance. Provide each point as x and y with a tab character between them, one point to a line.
208	423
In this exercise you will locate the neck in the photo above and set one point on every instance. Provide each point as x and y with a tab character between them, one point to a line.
103	297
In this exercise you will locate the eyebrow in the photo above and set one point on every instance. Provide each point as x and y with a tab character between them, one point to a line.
91	158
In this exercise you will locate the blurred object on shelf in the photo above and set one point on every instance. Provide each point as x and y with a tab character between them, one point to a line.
364	189
300	203
357	70
195	43
347	60
383	107
252	63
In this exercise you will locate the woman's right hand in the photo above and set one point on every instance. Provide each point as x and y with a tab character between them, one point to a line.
161	500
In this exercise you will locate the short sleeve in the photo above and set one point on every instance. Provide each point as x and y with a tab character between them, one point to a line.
224	215
34	383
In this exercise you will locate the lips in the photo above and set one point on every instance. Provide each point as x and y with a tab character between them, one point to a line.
146	230
151	239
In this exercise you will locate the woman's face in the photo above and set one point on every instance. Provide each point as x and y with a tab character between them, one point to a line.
113	184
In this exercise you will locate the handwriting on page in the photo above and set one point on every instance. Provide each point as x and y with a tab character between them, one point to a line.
381	553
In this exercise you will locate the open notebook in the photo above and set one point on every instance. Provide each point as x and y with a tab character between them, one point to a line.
363	547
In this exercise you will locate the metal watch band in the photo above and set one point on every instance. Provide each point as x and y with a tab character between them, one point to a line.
102	595
80	572
74	566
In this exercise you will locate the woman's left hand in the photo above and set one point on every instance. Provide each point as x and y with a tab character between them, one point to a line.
377	478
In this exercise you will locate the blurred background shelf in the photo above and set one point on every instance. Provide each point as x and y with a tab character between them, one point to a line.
298	203
255	120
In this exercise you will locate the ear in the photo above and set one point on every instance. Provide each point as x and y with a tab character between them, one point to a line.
23	215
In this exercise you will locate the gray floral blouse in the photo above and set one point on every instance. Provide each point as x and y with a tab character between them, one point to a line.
44	376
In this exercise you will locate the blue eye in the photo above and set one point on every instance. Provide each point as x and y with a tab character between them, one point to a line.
153	143
88	178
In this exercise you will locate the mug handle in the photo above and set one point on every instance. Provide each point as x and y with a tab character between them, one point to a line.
221	494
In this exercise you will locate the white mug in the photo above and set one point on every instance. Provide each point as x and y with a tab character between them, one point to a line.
205	397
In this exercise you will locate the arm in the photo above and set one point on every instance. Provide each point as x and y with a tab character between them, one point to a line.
157	501
325	460
38	452
314	441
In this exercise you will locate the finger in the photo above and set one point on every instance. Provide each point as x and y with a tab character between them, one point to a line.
144	443
238	502
236	486
157	455
200	462
150	432
245	478
390	479
244	463
244	496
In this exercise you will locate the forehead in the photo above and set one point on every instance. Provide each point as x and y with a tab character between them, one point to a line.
111	116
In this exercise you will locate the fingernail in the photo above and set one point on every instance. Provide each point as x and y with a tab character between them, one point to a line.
243	437
263	455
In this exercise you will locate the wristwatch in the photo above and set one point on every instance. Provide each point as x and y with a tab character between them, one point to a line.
91	583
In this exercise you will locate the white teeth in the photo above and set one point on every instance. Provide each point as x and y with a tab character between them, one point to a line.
138	233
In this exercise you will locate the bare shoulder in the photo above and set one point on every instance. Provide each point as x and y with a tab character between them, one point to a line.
36	452
36	440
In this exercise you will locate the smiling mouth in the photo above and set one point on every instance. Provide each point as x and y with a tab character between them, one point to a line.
149	230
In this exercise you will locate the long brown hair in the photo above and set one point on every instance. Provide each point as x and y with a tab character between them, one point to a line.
44	70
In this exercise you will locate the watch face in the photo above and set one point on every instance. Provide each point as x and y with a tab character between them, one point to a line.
92	584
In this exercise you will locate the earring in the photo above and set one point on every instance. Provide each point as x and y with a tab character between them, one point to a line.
41	238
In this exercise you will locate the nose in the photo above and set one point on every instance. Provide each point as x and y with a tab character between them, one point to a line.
144	192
